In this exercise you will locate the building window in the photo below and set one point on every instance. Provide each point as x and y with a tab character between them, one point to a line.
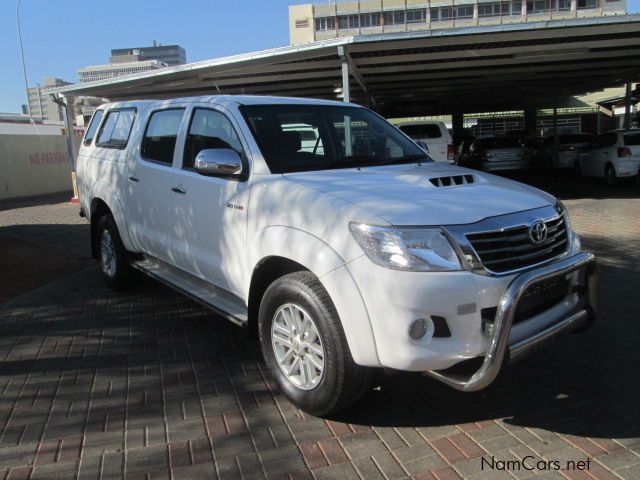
370	20
325	23
394	18
564	5
302	23
348	22
496	9
159	141
582	4
417	16
464	11
516	8
537	6
446	13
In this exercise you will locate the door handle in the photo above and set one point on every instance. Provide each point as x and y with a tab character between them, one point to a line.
134	179
179	190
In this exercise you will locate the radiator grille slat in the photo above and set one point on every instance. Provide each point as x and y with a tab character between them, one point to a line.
511	249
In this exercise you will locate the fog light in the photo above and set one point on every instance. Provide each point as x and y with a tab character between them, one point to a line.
418	329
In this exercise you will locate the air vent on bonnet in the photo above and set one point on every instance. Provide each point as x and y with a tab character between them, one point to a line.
452	181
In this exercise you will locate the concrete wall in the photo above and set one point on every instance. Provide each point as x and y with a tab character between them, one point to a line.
34	165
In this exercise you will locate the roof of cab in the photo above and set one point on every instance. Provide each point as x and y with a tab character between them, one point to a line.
229	99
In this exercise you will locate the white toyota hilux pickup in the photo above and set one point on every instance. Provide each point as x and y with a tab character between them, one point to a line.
334	238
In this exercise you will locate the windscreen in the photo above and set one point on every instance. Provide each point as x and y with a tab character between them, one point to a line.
295	138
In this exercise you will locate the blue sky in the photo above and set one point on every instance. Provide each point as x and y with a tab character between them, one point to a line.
61	36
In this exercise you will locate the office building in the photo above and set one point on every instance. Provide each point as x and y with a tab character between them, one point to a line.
40	104
322	21
111	70
168	54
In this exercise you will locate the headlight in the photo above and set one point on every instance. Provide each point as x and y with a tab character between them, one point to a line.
414	249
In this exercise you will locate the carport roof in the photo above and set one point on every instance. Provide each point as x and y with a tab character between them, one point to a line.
482	68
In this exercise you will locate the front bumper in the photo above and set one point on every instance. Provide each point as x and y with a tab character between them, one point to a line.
393	300
500	350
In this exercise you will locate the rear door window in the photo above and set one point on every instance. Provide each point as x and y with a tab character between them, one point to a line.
159	141
116	128
429	130
93	126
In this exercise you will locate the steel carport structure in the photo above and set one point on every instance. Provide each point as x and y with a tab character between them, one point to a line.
485	68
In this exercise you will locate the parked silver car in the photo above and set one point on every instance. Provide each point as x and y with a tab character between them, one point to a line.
495	153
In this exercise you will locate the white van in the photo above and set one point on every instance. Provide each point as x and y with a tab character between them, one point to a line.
434	134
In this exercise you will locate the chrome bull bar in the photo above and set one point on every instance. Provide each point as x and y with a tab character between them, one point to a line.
499	347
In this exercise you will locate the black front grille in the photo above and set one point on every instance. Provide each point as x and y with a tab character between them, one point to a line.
506	250
536	299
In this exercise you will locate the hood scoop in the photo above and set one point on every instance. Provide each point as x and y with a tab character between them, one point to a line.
452	180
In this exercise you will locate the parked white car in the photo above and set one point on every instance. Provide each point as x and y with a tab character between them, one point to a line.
434	135
613	156
560	152
343	253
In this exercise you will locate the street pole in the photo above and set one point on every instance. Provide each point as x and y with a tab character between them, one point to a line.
24	68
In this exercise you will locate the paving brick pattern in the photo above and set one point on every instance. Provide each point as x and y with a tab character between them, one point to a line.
99	385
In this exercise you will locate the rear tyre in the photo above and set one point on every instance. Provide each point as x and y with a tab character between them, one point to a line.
610	177
305	348
112	256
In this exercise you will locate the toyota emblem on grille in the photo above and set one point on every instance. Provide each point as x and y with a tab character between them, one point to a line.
538	232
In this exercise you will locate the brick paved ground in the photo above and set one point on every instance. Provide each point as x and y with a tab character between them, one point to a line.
95	384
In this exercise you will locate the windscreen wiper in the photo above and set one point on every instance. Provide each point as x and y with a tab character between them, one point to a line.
409	158
353	161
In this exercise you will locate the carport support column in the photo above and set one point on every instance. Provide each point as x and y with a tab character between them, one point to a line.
346	90
530	123
67	109
627	107
457	127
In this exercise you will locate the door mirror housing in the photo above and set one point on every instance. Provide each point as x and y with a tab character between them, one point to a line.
218	162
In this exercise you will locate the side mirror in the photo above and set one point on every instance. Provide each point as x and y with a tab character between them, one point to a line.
423	146
216	162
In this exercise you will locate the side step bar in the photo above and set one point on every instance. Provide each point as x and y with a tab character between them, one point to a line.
220	301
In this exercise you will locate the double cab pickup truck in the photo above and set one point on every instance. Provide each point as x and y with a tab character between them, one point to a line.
333	238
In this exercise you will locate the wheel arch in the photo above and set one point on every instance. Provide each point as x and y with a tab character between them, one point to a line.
280	254
106	201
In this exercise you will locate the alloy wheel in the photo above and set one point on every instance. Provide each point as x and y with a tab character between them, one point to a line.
107	254
297	346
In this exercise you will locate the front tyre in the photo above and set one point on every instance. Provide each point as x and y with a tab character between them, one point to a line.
305	348
112	256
